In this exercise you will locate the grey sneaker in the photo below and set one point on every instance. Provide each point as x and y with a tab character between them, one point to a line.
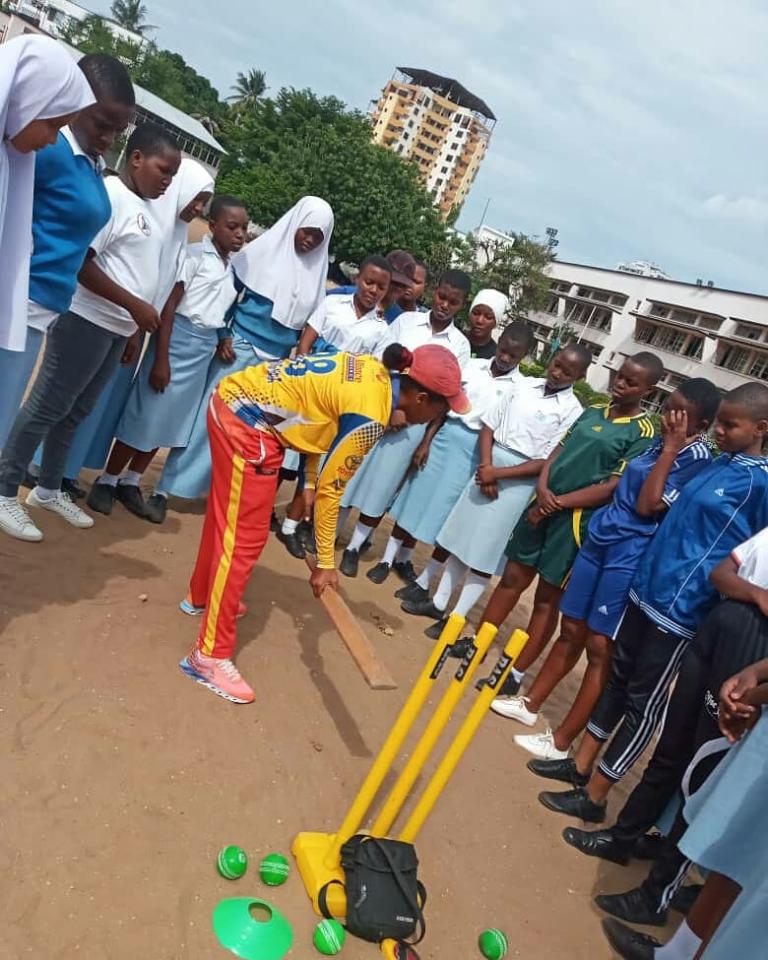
63	505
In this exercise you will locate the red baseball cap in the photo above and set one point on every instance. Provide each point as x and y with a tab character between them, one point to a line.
438	370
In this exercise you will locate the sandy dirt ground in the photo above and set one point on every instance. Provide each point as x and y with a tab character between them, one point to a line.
122	778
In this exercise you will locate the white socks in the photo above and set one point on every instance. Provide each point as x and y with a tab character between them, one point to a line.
289	526
42	493
109	479
682	946
391	550
473	589
359	537
452	575
404	554
429	572
517	674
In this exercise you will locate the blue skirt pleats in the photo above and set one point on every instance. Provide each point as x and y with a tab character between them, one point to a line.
16	368
152	419
375	485
429	495
477	529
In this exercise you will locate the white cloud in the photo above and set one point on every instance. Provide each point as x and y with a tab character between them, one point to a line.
744	209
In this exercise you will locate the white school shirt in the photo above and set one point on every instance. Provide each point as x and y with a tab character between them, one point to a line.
413	329
209	286
529	422
41	318
752	559
128	249
483	390
337	322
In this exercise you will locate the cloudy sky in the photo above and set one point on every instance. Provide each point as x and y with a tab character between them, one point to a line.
638	129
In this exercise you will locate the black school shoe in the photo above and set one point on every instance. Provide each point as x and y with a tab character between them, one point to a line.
574	803
101	498
436	630
73	488
378	573
350	561
156	508
422	608
412	591
685	898
131	498
405	570
628	943
292	544
598	843
632	907
510	687
306	534
564	771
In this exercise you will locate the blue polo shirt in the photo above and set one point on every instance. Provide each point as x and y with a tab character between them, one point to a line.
619	521
726	504
70	206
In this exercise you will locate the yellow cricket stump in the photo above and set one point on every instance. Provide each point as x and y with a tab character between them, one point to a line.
317	854
437	723
463	738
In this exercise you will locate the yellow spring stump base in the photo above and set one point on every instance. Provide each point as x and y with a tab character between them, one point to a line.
310	851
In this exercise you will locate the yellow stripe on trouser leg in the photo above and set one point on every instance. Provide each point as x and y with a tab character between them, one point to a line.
227	550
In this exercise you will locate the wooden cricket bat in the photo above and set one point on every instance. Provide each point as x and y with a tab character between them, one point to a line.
376	674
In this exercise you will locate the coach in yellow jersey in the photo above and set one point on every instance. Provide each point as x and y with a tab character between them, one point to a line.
332	405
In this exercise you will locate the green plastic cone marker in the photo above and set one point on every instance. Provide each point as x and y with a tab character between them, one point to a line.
252	929
493	944
232	862
329	937
274	869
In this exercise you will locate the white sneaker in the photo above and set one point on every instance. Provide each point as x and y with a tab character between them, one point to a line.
514	708
64	506
541	745
15	520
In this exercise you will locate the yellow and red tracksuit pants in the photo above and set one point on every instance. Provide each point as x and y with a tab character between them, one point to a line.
245	467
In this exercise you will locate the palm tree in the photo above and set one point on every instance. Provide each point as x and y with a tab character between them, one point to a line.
131	14
249	88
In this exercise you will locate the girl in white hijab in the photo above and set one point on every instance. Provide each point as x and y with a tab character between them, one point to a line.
184	200
281	278
489	310
41	90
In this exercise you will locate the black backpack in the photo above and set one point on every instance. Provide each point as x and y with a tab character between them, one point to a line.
384	896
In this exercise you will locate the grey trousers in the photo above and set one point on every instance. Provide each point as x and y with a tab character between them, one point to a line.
79	360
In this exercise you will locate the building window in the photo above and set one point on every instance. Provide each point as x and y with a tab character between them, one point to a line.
439	182
709	323
552	305
759	366
748	332
736	359
449	158
694	348
410	123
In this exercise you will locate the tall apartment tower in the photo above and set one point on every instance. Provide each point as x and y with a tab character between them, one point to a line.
440	125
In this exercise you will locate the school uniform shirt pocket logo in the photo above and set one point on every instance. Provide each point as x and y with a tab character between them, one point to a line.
143	224
720	491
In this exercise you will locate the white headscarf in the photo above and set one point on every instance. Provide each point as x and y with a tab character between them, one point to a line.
191	179
270	266
39	80
495	301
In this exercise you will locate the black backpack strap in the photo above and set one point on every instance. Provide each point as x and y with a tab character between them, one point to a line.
420	923
322	899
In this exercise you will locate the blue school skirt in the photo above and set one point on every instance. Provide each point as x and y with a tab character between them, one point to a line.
428	496
727	834
152	419
373	488
16	368
477	530
187	471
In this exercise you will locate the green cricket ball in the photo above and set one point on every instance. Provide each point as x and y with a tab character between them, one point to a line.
329	937
493	944
232	862
274	869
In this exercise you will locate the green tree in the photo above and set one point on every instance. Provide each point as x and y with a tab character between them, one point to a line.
93	35
131	14
517	268
299	143
248	89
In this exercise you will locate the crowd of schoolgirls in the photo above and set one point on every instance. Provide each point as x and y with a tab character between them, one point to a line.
650	552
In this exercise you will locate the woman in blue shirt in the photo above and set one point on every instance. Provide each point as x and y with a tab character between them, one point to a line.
70	206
